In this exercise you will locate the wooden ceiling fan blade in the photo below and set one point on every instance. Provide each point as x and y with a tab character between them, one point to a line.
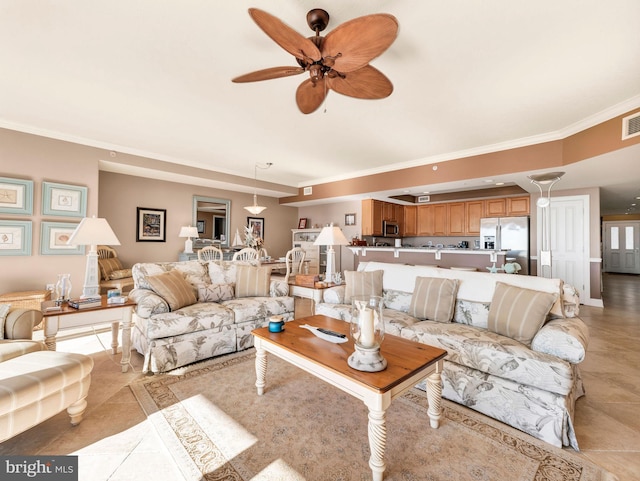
268	74
309	96
290	40
359	41
365	83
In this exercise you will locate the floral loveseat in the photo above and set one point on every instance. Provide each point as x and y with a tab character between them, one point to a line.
191	310
513	352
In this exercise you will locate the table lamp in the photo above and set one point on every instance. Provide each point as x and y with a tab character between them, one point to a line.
188	232
92	231
331	236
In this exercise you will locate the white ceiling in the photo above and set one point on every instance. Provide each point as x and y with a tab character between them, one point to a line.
153	78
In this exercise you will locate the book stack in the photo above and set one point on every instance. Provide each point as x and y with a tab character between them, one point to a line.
86	303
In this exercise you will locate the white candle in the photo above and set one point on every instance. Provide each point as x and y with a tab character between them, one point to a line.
366	328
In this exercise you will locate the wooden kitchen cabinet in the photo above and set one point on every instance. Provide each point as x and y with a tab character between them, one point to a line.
425	220
440	219
456	213
474	211
410	224
495	207
372	217
518	205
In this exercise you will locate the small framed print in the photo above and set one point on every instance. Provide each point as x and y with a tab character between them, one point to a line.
151	225
302	223
15	237
54	237
257	226
201	226
64	200
349	219
16	196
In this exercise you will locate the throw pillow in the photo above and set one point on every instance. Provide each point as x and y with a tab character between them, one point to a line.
120	274
517	312
173	288
107	266
215	292
362	283
434	299
252	281
4	310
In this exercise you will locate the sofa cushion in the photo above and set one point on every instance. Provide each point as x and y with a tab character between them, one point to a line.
201	316
518	313
252	281
249	309
107	266
173	288
362	284
434	299
4	310
472	313
215	292
10	348
120	274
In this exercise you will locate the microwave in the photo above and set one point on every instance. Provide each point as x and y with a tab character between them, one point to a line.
390	229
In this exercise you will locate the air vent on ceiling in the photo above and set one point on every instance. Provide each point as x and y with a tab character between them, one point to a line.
631	126
423	198
307	191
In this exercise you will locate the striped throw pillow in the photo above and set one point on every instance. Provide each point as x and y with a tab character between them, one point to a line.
517	312
362	283
434	299
252	281
173	288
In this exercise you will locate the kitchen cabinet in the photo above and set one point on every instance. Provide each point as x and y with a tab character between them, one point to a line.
456	216
474	211
440	219
410	217
495	207
518	205
372	217
425	220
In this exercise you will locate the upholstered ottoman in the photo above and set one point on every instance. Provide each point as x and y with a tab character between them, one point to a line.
39	385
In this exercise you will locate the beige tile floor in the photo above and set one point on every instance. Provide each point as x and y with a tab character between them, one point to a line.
116	442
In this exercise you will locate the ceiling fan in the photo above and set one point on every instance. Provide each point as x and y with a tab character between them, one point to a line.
339	61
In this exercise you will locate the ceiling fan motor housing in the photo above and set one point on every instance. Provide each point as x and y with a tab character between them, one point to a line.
317	19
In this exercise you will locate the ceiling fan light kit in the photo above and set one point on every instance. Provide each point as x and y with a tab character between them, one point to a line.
339	61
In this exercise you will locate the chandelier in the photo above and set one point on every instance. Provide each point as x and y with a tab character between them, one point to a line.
256	209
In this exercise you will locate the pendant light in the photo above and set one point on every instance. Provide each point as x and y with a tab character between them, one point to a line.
256	209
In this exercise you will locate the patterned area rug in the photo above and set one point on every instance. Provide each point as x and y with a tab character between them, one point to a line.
218	428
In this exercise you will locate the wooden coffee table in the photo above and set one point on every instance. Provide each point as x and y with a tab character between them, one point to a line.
408	363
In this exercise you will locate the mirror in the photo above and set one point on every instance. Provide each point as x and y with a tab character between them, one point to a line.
212	218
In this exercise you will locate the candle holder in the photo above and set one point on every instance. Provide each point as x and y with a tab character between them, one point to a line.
367	331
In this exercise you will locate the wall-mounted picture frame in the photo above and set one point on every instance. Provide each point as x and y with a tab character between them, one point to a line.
302	223
151	225
64	200
257	226
349	219
54	237
15	237
16	196
201	226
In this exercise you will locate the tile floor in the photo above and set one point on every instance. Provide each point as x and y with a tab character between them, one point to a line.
115	442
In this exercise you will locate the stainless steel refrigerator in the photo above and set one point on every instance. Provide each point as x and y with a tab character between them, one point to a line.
510	234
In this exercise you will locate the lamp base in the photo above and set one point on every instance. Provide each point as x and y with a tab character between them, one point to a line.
188	246
367	359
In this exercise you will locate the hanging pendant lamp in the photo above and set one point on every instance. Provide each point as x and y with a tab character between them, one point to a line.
256	209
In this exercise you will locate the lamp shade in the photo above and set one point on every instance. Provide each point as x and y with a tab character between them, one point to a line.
93	231
331	236
188	231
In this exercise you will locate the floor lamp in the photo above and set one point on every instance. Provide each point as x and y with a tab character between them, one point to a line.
331	236
547	180
92	232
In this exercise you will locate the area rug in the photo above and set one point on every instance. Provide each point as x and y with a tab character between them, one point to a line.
218	428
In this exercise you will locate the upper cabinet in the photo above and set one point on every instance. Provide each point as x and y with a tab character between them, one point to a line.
425	220
410	225
456	213
495	207
474	211
518	205
371	217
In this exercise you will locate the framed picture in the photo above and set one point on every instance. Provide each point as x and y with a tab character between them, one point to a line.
200	225
349	219
64	200
16	196
151	225
15	237
54	237
302	223
257	226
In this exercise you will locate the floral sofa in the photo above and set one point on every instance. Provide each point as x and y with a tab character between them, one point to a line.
191	310
514	342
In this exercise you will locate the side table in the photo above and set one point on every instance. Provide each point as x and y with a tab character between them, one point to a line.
68	318
313	293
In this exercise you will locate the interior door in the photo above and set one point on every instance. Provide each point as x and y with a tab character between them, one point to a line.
622	247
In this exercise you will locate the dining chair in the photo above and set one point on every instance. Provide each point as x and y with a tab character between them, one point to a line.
210	253
246	254
294	261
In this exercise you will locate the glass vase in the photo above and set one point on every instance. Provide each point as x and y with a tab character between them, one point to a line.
63	287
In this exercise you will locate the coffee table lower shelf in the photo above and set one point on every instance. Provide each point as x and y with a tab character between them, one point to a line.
409	363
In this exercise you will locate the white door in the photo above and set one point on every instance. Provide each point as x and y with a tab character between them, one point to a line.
621	247
569	235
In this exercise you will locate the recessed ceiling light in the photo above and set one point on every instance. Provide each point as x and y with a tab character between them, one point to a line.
426	192
499	183
489	181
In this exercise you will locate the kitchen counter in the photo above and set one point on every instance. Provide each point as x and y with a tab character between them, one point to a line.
481	259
